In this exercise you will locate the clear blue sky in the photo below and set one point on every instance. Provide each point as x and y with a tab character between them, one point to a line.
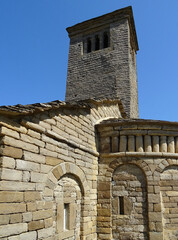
34	50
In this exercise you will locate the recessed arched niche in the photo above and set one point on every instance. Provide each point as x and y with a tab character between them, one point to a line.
129	203
169	199
68	199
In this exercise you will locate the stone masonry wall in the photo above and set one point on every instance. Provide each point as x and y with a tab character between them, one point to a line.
105	73
44	152
146	154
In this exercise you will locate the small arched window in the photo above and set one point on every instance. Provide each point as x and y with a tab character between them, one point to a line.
88	45
97	43
105	40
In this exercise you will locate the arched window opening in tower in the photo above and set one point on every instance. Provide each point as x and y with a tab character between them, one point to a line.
88	45
105	40
97	43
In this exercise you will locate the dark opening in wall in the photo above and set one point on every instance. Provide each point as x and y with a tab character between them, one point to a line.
88	45
66	216
121	205
97	43
105	40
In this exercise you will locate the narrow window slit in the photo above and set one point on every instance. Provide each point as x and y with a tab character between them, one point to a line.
127	143
110	142
121	205
105	40
152	147
66	216
88	45
118	142
97	43
143	139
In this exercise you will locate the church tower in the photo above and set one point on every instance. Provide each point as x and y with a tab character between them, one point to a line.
102	60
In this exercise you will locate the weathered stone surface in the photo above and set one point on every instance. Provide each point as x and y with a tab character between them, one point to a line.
11	152
9	132
16	186
12	229
27	166
9	174
32	196
4	219
19	144
16	218
28	235
6	208
35	225
27	217
53	161
46	232
7	196
8	162
42	214
34	157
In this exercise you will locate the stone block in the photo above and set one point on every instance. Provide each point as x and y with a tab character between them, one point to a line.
7	196
26	176
32	196
9	174
155	143
58	172
42	214
19	144
157	207
45	168
35	225
38	177
48	222
16	186
27	217
171	145
33	157
12	229
172	193
131	143
103	186
33	126
139	143
9	132
17	237
154	198
12	124
4	219
6	208
11	152
147	143
29	236
155	216
34	134
48	153
8	162
46	232
123	144
32	140
156	236
27	166
31	206
104	212
53	161
16	218
48	192
163	144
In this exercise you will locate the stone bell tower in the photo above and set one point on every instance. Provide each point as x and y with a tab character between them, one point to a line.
102	60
